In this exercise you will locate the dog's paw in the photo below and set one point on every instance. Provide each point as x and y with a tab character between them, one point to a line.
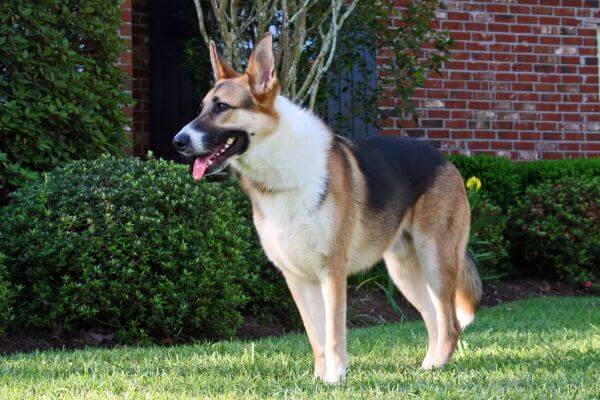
334	374
430	365
429	361
427	366
319	372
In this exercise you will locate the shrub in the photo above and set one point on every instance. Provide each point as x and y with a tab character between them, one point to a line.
533	173
556	229
507	180
7	294
136	247
487	245
61	94
499	175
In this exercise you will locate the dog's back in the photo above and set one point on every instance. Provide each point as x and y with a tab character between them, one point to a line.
397	170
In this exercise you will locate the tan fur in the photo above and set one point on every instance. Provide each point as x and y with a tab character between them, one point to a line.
220	69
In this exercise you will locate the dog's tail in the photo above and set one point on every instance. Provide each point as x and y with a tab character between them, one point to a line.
468	293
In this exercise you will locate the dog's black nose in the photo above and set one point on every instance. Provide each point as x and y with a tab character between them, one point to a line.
181	141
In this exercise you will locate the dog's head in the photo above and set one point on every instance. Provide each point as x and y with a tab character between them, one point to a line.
236	114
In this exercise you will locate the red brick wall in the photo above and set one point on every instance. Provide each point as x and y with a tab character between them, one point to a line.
125	61
522	81
135	61
141	74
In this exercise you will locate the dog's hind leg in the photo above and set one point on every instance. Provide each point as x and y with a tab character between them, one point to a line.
309	300
404	269
440	267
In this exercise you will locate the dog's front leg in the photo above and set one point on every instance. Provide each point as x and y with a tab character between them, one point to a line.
333	287
309	300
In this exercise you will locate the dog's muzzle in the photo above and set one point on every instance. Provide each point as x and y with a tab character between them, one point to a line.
181	141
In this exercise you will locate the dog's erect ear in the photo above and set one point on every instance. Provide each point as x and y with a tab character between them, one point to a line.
261	67
220	69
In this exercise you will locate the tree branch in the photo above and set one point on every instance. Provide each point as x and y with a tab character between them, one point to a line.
201	25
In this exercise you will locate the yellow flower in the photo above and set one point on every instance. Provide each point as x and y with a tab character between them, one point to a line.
473	181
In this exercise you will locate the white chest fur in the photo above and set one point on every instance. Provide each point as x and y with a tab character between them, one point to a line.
292	165
296	239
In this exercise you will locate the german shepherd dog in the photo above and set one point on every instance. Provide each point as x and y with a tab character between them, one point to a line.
326	207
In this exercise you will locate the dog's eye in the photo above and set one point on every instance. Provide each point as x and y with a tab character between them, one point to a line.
220	107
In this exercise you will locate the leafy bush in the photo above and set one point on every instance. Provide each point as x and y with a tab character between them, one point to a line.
61	95
506	184
7	294
507	180
556	229
499	175
487	245
139	248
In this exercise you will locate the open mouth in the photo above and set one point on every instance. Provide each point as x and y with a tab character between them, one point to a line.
231	143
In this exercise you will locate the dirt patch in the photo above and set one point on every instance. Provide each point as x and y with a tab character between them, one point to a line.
366	306
371	306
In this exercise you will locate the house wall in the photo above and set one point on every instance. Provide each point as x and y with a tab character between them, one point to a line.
521	82
135	61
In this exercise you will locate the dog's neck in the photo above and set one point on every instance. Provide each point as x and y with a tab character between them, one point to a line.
294	157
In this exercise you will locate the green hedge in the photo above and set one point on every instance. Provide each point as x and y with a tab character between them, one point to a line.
137	248
140	249
555	228
61	94
7	294
515	187
506	180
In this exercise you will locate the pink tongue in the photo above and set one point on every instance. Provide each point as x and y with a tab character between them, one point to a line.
199	167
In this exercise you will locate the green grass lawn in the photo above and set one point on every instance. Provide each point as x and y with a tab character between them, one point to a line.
546	348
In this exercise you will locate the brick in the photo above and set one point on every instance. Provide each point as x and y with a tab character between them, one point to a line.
545	146
503	125
524	125
484	114
530	135
508	116
524	145
587	146
461	134
505	77
433	104
432	123
569	146
501	105
479	124
456	124
502	145
478	145
485	135
482	17
565	50
438	134
528	155
508	135
479	105
570	126
591	127
525	106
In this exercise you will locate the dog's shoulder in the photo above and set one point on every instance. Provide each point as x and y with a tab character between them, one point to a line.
397	170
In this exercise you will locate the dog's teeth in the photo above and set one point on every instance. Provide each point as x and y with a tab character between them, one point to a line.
209	162
230	141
